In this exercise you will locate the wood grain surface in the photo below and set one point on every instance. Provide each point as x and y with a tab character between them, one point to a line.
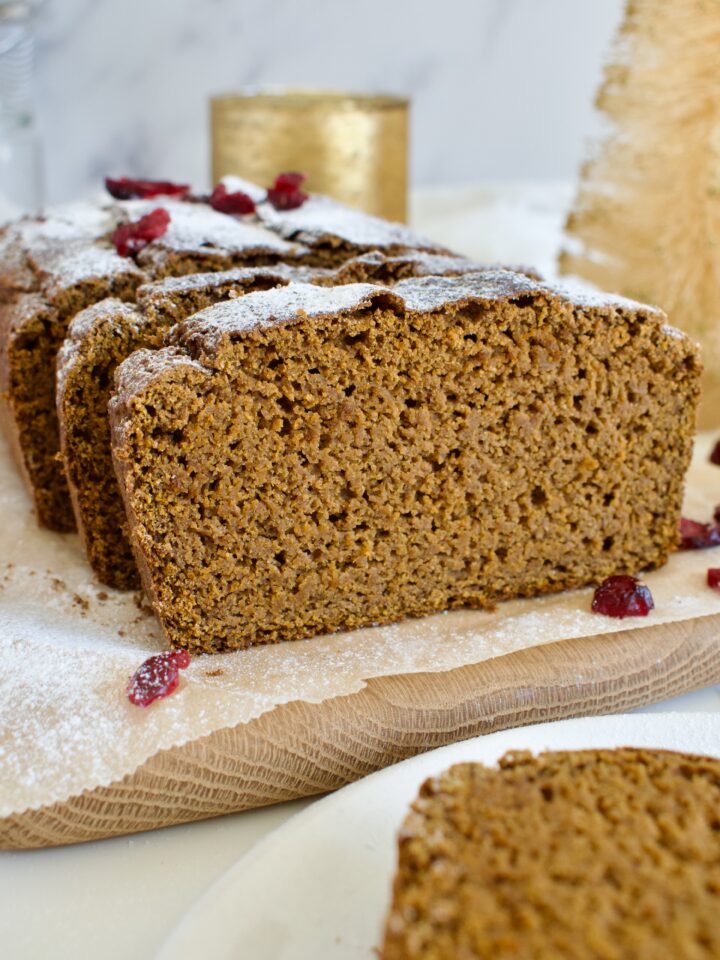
300	749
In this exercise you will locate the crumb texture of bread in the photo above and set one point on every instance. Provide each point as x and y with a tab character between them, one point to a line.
32	329
100	337
311	459
98	340
586	855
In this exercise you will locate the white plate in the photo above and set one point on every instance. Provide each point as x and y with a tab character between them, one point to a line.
319	886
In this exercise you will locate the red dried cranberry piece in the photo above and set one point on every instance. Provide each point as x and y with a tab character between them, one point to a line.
285	193
622	596
131	238
289	181
157	678
124	188
698	536
237	203
713	578
715	455
716	515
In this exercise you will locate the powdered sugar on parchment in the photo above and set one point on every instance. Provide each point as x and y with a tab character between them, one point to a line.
68	647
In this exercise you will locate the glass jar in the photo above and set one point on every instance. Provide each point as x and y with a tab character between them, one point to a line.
21	174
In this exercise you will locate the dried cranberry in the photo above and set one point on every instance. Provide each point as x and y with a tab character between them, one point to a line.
697	536
285	193
237	203
131	238
716	515
622	596
715	455
157	678
713	578
289	181
124	188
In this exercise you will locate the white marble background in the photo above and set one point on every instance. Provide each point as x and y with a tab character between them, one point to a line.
501	89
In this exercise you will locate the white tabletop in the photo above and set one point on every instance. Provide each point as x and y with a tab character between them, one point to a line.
118	899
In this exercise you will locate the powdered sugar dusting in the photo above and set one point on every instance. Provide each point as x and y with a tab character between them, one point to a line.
234	184
106	309
584	296
81	220
426	294
419	262
242	276
197	228
71	264
280	305
418	294
322	219
143	367
68	647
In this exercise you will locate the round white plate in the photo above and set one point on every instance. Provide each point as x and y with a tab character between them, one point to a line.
319	885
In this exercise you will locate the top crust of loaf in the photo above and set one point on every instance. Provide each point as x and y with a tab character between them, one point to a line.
197	229
161	291
198	341
324	221
203	333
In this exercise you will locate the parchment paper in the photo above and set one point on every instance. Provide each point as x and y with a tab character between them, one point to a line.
68	646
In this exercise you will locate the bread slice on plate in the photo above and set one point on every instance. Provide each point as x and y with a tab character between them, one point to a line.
567	856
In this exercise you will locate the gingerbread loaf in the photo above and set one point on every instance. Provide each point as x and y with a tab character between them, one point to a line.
312	459
100	337
54	266
587	855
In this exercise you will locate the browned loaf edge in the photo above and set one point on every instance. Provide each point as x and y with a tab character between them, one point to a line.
32	328
103	335
305	460
301	749
578	854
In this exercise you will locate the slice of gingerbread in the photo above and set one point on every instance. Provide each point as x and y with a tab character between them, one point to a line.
572	856
100	337
310	459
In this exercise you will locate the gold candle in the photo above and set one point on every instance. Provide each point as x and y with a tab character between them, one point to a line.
351	146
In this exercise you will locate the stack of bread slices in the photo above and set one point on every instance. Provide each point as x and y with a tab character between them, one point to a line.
306	420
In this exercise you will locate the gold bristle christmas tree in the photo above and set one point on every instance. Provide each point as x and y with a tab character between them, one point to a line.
646	221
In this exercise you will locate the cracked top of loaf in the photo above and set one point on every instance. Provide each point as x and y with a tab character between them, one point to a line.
322	221
198	340
169	287
196	229
71	244
420	294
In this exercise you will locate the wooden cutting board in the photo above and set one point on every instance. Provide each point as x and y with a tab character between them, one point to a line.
300	749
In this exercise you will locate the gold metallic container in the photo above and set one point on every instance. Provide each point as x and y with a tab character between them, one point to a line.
352	146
